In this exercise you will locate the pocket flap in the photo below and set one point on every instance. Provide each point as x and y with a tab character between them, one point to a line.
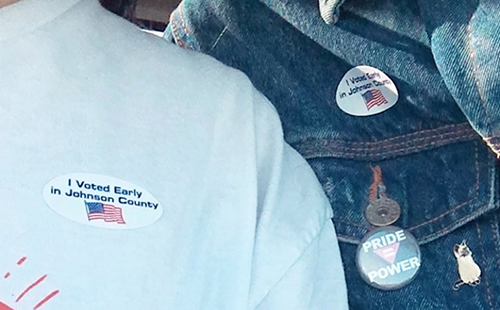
442	179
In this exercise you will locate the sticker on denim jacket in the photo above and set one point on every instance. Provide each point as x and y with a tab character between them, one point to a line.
102	201
365	91
388	258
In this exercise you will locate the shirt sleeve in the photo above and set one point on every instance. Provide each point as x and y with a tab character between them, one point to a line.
296	260
314	282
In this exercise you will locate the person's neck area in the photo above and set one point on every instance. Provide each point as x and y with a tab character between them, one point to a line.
6	2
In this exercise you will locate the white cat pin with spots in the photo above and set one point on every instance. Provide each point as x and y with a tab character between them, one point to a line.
468	270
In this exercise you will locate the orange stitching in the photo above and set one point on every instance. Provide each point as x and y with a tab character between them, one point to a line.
466	128
477	167
177	37
460	205
175	30
495	147
377	181
183	20
354	152
455	133
496	236
484	264
420	240
432	130
359	145
442	214
473	214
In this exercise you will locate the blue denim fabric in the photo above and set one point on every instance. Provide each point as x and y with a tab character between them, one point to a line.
465	38
429	146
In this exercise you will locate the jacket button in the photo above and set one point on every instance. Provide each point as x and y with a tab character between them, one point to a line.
382	212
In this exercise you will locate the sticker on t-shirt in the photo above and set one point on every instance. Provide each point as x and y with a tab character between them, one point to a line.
366	91
102	201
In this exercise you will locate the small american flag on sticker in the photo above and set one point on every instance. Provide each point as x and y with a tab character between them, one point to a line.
105	212
373	97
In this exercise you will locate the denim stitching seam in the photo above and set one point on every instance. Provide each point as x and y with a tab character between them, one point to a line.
421	140
183	21
488	290
176	35
354	152
455	135
185	29
422	240
496	236
477	167
457	207
425	133
175	29
454	209
452	226
494	143
395	149
218	38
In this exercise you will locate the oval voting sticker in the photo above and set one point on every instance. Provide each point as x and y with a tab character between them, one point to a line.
102	201
388	258
366	91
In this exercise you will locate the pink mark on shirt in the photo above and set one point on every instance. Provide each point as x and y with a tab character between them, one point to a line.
45	299
21	261
30	287
5	307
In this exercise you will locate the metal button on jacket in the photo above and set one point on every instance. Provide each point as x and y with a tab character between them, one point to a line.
388	258
382	212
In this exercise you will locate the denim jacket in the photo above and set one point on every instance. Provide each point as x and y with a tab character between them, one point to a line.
435	147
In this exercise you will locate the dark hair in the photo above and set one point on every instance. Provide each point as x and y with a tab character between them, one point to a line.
124	8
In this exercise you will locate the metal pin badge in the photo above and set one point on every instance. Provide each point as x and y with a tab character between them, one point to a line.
468	270
388	258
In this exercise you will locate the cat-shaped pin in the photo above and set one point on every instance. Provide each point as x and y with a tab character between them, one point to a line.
468	270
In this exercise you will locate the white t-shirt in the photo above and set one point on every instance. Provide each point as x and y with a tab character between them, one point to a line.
135	175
